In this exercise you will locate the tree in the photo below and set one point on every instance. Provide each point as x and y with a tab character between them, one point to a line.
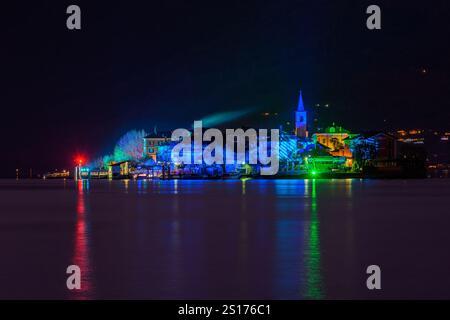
130	146
107	160
363	152
97	163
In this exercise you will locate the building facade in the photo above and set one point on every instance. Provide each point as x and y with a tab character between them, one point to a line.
155	144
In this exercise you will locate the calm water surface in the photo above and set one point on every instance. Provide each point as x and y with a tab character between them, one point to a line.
254	239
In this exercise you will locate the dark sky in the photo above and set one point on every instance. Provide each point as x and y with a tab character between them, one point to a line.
167	63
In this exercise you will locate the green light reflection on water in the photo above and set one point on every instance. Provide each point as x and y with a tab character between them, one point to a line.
314	285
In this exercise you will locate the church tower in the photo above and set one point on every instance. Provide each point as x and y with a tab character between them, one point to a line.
300	119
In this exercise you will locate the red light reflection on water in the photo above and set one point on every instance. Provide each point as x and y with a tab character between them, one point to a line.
81	244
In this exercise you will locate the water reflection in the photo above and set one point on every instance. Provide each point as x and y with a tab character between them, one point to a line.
314	285
175	256
175	186
81	243
126	183
243	180
298	254
231	239
243	245
289	274
348	187
286	229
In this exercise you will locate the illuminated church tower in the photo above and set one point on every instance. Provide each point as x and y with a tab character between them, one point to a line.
300	119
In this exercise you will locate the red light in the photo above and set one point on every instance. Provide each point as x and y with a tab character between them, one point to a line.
79	160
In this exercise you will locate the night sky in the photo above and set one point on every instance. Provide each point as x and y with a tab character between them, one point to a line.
167	63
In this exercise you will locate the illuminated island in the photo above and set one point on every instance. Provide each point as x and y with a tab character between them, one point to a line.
332	152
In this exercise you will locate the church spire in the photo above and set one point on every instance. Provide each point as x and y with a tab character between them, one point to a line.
300	106
300	119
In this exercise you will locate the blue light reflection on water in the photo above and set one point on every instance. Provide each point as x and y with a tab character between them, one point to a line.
297	245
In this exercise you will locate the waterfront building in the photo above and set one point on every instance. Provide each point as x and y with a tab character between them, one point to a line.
386	147
374	149
381	154
122	169
325	164
98	174
336	138
155	146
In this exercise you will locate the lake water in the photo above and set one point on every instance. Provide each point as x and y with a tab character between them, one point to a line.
254	239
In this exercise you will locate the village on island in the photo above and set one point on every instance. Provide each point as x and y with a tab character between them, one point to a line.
330	152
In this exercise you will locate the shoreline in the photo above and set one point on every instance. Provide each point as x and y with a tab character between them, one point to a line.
293	177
